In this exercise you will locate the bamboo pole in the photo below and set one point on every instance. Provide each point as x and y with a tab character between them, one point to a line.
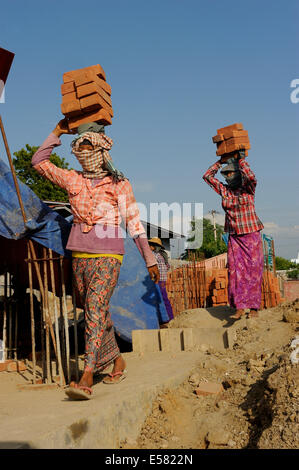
273	254
32	316
41	288
75	329
16	333
5	316
60	368
66	324
47	316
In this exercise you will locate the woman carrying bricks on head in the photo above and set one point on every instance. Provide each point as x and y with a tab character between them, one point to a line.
245	250
100	197
163	266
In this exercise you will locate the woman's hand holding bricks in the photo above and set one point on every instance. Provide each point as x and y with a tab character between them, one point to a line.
62	128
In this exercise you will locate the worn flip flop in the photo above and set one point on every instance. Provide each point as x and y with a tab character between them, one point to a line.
122	375
77	393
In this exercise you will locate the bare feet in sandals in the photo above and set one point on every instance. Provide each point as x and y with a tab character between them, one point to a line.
253	313
118	372
239	313
82	390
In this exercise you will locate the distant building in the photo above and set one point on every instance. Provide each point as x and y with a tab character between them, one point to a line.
296	260
173	242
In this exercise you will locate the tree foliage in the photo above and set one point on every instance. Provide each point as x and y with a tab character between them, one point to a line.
42	187
210	247
282	263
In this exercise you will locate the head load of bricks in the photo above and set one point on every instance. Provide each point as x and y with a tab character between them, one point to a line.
231	139
86	97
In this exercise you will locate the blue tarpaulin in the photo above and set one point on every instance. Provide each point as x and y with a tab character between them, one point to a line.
136	302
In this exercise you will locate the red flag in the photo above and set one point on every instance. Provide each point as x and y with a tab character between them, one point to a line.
6	59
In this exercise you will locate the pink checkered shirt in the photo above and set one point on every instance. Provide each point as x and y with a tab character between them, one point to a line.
238	204
106	203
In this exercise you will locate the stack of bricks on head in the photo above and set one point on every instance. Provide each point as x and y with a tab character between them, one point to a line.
230	139
86	97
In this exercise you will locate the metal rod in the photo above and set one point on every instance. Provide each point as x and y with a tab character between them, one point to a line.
66	323
32	316
60	368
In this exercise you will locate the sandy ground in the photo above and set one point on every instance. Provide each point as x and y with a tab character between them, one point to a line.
259	406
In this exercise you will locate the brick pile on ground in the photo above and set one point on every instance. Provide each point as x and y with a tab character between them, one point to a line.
231	138
189	288
86	97
271	296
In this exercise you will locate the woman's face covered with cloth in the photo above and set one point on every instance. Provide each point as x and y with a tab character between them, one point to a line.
91	149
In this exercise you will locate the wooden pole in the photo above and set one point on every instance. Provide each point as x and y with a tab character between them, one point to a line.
32	315
75	328
273	254
5	316
66	323
41	288
60	368
47	316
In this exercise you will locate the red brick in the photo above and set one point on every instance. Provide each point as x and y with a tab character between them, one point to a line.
104	85
232	145
209	388
218	138
71	108
94	102
238	126
97	69
67	88
16	366
235	133
90	88
69	97
102	115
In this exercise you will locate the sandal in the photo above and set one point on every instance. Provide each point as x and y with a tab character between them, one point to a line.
253	314
77	393
122	375
237	315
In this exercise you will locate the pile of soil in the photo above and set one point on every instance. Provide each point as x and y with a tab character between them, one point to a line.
260	402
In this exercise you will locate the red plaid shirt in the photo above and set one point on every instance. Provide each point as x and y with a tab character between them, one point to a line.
105	203
238	204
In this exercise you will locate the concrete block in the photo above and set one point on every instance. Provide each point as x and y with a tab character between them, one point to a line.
188	339
171	339
146	340
213	337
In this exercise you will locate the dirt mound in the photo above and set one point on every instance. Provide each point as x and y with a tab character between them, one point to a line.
259	405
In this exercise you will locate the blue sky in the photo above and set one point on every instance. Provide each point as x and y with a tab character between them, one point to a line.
178	71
